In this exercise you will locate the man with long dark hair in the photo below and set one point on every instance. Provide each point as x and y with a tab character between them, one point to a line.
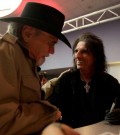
85	93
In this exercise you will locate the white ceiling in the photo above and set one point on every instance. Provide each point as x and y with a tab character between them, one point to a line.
72	8
76	8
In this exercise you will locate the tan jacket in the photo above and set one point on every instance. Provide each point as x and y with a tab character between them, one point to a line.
48	87
21	110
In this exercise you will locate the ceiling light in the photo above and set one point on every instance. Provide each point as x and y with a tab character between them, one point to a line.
8	6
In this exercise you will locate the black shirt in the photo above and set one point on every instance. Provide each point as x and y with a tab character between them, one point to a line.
80	108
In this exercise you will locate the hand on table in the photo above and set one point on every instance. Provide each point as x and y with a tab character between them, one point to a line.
59	129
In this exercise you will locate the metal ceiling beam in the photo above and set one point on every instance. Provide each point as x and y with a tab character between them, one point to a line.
95	18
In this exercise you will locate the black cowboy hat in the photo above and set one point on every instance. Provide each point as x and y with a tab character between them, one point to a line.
43	17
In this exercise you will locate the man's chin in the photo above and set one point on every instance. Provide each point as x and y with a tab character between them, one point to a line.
40	61
79	67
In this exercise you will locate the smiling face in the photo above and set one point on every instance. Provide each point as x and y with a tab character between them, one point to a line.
39	43
83	58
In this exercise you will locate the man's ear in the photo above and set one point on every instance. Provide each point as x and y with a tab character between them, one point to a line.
26	33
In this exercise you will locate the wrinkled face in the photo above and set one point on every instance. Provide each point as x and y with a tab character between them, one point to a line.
83	57
39	43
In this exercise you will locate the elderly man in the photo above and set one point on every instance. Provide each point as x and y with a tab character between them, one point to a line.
29	39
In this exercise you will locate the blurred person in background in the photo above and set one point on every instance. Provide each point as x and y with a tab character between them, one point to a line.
43	78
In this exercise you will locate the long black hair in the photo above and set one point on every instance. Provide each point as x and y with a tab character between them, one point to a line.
95	46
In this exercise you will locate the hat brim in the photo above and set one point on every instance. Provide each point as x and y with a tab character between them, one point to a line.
37	24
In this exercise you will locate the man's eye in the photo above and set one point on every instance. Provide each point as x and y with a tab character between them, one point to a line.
75	51
84	51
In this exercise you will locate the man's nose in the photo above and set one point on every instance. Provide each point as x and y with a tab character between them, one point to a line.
51	50
78	54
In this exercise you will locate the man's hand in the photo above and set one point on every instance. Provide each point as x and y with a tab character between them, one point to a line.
58	115
59	129
64	73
